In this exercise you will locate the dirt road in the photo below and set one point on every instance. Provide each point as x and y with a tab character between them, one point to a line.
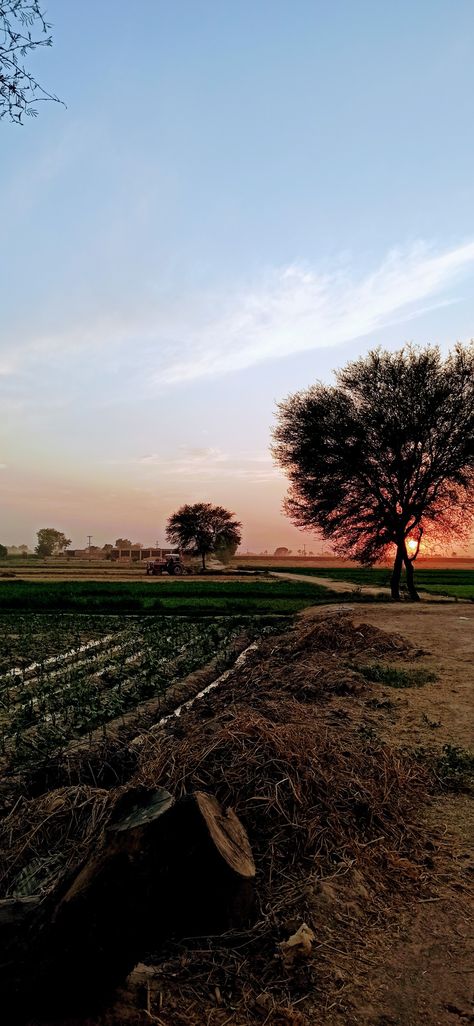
349	586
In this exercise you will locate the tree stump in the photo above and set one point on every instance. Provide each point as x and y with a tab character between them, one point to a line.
162	869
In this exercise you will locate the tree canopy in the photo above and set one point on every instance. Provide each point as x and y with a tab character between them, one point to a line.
203	528
383	456
23	28
51	542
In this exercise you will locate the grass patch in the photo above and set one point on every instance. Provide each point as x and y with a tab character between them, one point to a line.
465	592
380	703
455	768
395	677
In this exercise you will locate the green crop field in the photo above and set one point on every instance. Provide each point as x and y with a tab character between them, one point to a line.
456	583
62	677
199	597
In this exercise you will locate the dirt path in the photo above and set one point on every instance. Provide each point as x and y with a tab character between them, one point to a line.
438	713
350	586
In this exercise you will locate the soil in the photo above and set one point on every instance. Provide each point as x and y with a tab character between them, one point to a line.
422	957
438	713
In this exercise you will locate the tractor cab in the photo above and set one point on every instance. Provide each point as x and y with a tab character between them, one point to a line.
166	563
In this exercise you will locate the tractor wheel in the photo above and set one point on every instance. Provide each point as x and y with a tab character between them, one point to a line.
177	569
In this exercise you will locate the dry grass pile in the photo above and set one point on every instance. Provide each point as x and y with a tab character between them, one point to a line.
42	837
339	634
332	822
309	662
307	794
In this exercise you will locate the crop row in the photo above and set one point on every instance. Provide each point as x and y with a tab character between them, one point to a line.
28	638
43	711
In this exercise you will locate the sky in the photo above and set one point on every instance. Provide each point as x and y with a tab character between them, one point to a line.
237	199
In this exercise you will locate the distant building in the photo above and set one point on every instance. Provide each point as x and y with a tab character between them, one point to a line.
131	554
136	554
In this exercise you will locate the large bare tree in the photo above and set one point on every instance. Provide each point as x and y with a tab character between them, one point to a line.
383	456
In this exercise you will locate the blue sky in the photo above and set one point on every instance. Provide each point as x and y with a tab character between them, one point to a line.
238	198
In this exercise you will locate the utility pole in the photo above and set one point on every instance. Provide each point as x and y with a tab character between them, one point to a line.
89	539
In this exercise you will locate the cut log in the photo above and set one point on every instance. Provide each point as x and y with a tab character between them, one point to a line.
162	869
228	835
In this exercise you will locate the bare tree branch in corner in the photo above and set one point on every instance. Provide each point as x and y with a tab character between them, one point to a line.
22	29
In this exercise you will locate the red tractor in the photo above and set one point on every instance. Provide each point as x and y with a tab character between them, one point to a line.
169	563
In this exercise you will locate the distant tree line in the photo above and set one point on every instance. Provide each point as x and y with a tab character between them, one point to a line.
199	530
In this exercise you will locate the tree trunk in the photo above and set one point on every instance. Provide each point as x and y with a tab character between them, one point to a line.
396	573
203	558
410	576
162	869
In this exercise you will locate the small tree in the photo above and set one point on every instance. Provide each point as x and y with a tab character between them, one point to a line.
123	543
203	528
384	456
3	552
51	542
225	550
22	29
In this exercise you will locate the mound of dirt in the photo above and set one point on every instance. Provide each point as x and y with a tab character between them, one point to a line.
338	634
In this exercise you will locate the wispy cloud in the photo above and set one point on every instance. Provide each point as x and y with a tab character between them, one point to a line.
204	464
286	311
296	309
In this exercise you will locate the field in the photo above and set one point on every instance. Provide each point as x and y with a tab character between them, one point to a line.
61	678
458	583
162	595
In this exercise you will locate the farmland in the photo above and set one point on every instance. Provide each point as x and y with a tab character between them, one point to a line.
155	595
323	732
457	583
334	738
64	677
75	656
